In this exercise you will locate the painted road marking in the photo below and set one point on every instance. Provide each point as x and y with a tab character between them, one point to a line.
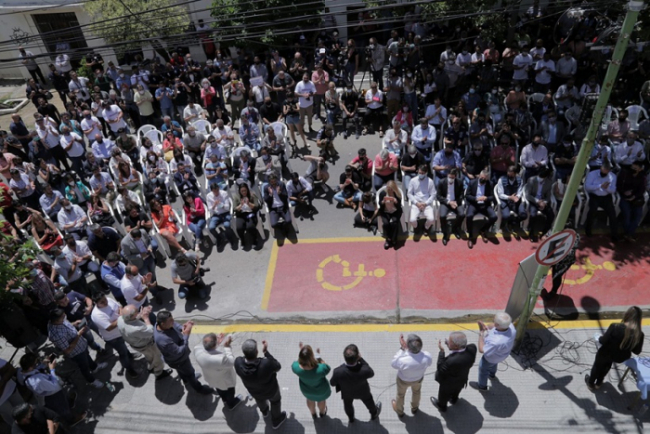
590	269
345	272
394	328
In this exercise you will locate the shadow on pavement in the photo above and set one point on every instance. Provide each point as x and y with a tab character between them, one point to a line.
328	425
421	423
290	426
463	418
169	390
201	406
243	419
501	401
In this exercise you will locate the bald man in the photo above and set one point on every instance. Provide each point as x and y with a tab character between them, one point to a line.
453	370
137	330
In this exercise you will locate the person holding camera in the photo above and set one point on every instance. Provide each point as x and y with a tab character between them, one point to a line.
187	272
375	57
325	141
350	109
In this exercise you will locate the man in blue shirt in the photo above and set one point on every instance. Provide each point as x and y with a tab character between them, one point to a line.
164	95
495	342
112	272
170	125
445	160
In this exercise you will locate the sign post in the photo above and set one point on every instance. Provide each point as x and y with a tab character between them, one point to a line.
622	43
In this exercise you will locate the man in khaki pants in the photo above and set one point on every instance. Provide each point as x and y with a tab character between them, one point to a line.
411	363
137	331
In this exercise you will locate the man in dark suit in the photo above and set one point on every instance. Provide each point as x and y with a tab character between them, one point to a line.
351	379
243	166
453	370
538	194
451	200
480	197
277	199
259	375
185	180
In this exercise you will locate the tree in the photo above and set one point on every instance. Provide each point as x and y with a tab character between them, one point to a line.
131	21
272	22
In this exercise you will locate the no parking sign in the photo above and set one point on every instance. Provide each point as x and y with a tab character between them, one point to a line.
555	248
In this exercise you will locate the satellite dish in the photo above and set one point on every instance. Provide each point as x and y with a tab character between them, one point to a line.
580	24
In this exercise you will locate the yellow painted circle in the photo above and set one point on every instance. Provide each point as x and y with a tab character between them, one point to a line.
609	266
379	272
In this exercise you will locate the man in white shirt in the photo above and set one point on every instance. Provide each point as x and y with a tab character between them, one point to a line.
62	63
436	114
73	144
411	364
534	157
567	66
217	363
543	70
219	206
114	116
423	138
48	131
135	287
79	87
137	330
566	96
306	90
79	252
495	342
139	77
395	139
192	112
224	135
421	193
91	126
105	315
72	219
629	151
374	110
600	186
464	60
538	50
522	63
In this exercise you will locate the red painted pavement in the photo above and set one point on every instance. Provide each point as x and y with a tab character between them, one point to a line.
428	275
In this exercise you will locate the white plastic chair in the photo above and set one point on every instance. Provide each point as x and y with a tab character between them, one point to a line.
635	113
143	130
155	136
202	126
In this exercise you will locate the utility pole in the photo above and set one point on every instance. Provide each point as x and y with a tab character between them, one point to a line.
633	9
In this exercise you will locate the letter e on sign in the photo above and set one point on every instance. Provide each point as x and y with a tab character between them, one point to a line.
555	248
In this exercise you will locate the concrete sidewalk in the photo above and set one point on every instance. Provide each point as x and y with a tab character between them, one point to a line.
551	396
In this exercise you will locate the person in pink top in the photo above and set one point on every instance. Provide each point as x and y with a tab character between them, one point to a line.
321	80
195	217
385	167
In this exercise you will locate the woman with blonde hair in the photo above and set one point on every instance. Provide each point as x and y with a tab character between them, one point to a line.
617	345
312	377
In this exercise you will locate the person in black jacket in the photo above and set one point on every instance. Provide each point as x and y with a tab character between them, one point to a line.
617	345
480	198
277	199
259	375
451	202
453	370
351	379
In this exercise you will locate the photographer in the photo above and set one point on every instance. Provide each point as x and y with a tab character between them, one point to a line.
375	57
187	272
325	141
350	109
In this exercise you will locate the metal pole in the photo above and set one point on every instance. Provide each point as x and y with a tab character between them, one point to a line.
634	7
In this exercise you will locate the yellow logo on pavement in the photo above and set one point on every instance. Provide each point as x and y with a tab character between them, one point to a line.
590	269
358	275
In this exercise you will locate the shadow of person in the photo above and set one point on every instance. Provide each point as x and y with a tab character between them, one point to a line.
169	390
501	401
463	418
615	399
328	425
201	406
291	425
243	419
560	307
422	422
591	306
192	301
143	374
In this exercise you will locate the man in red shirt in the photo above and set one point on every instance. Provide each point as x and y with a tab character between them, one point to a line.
363	165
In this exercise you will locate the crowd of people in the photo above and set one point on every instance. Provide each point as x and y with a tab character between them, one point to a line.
161	341
469	128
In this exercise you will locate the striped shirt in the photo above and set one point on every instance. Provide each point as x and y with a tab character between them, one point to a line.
61	335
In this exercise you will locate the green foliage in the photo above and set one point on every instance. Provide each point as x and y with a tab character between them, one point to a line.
86	71
13	271
248	23
153	23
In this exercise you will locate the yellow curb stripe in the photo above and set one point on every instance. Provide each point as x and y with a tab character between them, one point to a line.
270	274
394	328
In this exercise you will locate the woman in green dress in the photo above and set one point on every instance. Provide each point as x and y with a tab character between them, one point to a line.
312	374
